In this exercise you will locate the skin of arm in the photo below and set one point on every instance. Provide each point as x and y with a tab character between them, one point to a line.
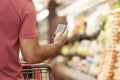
33	52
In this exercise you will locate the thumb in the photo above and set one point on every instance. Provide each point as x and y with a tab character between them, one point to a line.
66	32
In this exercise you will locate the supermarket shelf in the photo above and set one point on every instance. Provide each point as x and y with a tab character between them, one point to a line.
69	73
77	7
82	37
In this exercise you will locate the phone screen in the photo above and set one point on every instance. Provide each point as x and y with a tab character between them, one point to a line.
60	28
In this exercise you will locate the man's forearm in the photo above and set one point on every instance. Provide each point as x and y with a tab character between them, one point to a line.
43	52
33	52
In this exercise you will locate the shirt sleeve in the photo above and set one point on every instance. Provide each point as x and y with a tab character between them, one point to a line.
28	21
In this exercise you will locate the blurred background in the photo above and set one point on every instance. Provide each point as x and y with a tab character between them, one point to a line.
93	46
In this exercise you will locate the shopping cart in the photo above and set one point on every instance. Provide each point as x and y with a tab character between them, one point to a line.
40	71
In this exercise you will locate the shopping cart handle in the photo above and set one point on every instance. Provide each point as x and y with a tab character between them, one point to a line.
40	65
26	66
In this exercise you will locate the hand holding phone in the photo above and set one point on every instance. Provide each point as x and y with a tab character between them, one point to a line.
60	39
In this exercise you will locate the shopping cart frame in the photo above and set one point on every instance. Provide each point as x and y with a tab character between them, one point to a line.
28	69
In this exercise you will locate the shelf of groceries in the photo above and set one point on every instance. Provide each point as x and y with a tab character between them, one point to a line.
92	51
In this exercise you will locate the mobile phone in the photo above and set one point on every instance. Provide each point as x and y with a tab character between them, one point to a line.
60	28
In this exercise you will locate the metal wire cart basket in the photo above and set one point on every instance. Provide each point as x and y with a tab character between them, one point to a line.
40	71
